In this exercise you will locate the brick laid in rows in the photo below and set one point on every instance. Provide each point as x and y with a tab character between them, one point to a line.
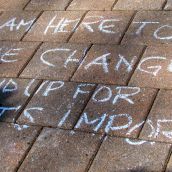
14	24
139	5
14	56
103	27
64	151
47	5
54	26
13	95
55	61
116	110
108	64
14	143
154	69
158	126
91	5
117	154
12	4
57	104
150	27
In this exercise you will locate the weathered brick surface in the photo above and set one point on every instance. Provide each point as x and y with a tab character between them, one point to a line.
169	166
15	141
116	110
13	95
14	56
57	104
55	61
102	27
14	24
154	69
91	5
108	64
168	5
158	125
13	4
139	5
47	5
150	27
57	150
118	154
54	26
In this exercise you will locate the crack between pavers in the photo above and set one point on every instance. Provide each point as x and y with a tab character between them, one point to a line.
164	4
80	61
69	3
86	103
27	102
28	150
96	152
31	57
135	66
114	4
31	25
77	26
127	27
167	160
149	111
27	4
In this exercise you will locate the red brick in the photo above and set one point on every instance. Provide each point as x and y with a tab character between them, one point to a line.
13	4
55	61
14	56
108	64
60	107
154	69
47	5
13	25
168	5
67	151
156	32
139	5
91	5
116	110
158	125
54	26
117	154
106	27
13	95
15	141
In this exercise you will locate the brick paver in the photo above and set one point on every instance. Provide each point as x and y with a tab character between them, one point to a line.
47	5
150	27
139	5
54	26
14	56
91	5
108	64
79	79
15	141
12	4
13	95
158	125
154	69
14	24
103	27
45	109
116	110
67	151
118	154
55	61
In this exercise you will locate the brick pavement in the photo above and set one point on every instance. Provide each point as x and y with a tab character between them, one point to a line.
85	85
